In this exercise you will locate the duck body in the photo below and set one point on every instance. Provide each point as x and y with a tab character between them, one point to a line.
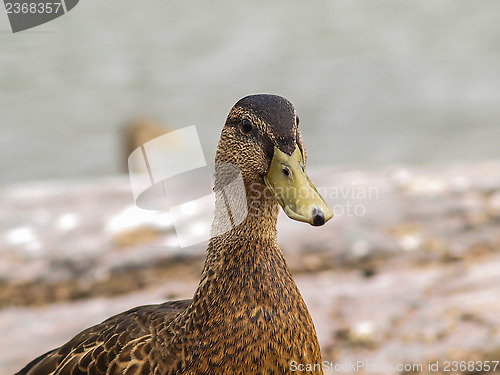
247	315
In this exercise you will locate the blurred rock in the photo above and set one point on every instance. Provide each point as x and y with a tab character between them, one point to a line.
138	132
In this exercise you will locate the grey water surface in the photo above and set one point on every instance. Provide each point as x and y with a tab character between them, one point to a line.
374	83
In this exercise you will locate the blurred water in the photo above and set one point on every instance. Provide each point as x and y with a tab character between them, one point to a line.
374	83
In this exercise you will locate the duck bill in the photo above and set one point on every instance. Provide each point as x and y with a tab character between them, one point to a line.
294	191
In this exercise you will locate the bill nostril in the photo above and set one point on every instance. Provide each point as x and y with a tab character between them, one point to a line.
318	217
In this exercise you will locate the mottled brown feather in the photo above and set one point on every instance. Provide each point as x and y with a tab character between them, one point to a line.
247	315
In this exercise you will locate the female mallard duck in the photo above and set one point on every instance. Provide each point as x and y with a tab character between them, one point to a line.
247	315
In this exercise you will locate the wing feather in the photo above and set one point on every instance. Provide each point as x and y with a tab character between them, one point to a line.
121	342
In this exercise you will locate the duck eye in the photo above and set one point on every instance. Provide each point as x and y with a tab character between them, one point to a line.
246	126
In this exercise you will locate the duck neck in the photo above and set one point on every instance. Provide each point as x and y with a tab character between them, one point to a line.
246	300
245	263
253	214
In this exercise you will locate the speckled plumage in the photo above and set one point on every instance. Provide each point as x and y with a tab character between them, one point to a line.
247	315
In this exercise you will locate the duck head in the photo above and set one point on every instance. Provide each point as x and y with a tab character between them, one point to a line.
262	134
